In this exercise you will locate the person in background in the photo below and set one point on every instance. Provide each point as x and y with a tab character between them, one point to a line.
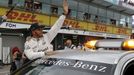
38	44
96	19
17	59
37	6
28	5
69	45
3	19
80	46
54	10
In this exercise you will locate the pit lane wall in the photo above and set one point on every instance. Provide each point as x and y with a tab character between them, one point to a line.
20	16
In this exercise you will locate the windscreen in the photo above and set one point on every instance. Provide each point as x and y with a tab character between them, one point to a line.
70	67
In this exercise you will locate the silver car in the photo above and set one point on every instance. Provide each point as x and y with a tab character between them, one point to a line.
79	62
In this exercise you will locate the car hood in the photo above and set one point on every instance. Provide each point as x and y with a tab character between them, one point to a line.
103	56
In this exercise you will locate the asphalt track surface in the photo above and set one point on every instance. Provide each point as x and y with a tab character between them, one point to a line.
4	70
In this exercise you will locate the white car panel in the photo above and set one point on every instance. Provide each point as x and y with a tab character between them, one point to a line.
104	56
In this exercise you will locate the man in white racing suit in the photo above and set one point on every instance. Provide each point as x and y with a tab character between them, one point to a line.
39	44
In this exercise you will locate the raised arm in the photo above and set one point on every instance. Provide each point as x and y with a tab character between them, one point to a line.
56	27
65	7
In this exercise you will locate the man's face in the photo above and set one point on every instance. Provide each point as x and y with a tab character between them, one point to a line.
37	33
68	42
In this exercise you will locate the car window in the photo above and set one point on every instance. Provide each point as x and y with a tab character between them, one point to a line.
69	67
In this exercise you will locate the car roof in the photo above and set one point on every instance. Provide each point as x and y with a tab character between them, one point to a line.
102	56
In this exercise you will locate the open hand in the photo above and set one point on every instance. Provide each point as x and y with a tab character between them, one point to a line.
65	7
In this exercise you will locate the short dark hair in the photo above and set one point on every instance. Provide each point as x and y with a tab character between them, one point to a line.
33	27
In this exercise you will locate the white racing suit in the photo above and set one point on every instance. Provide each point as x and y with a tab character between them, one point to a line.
35	48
